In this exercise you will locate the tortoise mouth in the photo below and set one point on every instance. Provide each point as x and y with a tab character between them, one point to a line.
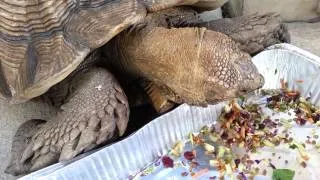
251	85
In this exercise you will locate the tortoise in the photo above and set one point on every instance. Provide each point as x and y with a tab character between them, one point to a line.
51	47
47	43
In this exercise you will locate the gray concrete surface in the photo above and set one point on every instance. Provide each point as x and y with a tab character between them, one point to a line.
288	9
304	35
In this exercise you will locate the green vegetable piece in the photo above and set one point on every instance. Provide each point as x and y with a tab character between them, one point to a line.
252	107
204	130
293	146
282	174
242	98
283	107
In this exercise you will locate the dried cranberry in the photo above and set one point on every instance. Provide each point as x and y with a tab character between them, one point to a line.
167	162
188	155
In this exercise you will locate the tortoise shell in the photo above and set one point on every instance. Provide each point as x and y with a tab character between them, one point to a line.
43	41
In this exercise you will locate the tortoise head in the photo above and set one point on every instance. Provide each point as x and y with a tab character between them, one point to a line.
249	77
233	80
229	72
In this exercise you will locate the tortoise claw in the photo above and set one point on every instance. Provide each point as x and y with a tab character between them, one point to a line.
159	98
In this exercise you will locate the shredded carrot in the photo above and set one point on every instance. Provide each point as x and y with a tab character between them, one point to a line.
292	93
299	81
199	173
310	120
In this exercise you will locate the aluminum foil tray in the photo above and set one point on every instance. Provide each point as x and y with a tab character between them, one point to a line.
129	156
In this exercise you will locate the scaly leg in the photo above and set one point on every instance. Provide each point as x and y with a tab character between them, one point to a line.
252	33
94	113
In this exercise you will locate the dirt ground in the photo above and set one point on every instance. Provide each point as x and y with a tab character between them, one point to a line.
304	35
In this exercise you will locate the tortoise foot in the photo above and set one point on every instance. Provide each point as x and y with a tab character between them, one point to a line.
20	141
95	113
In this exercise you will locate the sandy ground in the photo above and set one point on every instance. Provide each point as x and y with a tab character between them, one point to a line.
304	35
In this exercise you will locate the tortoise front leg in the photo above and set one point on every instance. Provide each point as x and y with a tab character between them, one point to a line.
94	113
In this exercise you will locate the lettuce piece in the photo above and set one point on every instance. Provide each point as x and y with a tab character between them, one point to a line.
282	174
